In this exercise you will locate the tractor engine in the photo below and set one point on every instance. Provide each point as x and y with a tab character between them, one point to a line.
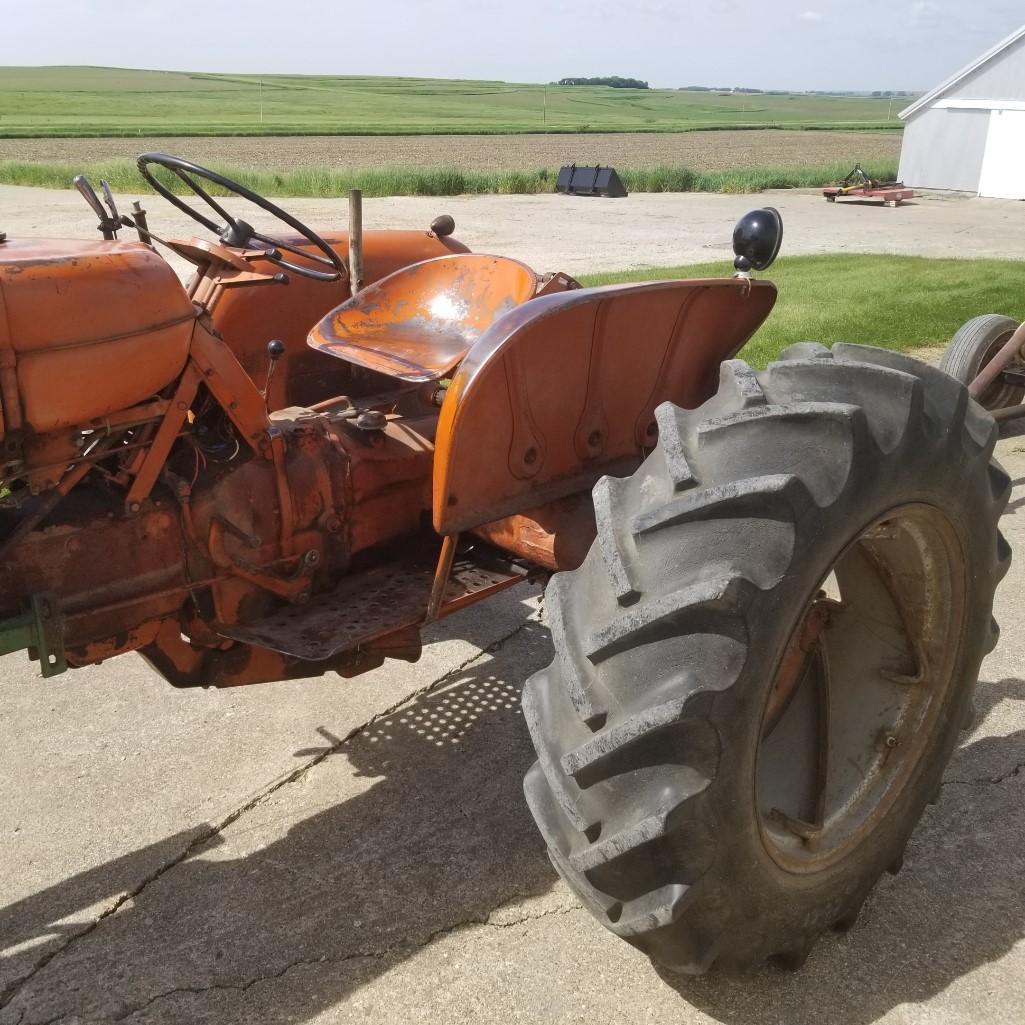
140	498
226	535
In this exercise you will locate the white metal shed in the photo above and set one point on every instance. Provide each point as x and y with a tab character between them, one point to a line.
968	134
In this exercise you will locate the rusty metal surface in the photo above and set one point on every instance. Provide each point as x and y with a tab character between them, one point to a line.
151	539
564	389
77	314
802	645
388	481
868	673
419	322
185	665
250	318
160	535
1009	352
367	606
556	535
109	575
442	576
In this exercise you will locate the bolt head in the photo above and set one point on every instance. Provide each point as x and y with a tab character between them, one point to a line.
371	420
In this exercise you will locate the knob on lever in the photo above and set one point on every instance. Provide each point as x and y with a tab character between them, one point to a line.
275	350
443	226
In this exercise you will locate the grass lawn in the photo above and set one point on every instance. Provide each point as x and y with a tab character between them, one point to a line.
84	101
897	302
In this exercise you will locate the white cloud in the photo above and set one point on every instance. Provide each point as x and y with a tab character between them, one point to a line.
811	16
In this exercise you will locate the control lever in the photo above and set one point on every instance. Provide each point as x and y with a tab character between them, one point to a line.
108	225
140	224
108	198
275	350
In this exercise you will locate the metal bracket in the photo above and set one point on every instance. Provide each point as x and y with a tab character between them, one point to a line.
40	629
441	576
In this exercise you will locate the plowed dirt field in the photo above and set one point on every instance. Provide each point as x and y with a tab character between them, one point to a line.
702	151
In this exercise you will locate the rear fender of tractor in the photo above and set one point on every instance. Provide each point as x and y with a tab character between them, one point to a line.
563	390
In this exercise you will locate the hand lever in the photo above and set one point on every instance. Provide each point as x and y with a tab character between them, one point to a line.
106	226
275	350
108	198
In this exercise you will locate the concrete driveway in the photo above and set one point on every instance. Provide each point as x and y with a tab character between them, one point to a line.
331	851
578	235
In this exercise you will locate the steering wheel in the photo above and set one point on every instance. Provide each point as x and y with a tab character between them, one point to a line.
235	232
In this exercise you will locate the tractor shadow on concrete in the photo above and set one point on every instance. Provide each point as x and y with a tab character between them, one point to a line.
958	904
417	826
412	828
1018	501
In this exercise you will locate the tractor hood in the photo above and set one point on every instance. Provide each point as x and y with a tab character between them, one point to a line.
90	328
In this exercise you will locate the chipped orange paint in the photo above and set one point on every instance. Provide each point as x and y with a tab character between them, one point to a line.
418	323
248	319
106	363
563	390
77	315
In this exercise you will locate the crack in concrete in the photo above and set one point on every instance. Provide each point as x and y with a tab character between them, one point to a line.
988	780
356	955
12	990
512	923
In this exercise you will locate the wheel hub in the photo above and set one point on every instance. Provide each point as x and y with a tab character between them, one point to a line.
859	688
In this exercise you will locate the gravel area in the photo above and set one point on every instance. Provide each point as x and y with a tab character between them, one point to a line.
704	151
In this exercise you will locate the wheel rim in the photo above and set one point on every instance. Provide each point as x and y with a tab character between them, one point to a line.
860	687
999	394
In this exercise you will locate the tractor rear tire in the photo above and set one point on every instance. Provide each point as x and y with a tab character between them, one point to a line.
675	800
974	345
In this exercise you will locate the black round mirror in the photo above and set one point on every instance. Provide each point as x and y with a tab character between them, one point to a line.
757	238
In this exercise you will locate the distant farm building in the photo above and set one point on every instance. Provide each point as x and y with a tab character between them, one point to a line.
968	134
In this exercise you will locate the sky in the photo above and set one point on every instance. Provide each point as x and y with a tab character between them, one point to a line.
772	44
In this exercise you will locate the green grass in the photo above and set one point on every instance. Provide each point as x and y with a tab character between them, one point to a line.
412	181
897	302
86	101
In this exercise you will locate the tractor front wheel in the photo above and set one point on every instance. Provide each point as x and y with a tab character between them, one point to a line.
763	664
974	345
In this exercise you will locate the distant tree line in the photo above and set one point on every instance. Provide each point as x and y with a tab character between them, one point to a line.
877	93
611	80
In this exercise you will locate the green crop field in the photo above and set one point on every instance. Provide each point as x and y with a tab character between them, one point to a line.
86	101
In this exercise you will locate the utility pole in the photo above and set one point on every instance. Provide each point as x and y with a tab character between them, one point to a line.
544	109
261	101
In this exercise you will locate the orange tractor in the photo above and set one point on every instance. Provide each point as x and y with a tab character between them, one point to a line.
770	591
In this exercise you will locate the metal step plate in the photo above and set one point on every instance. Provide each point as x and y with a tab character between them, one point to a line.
369	605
